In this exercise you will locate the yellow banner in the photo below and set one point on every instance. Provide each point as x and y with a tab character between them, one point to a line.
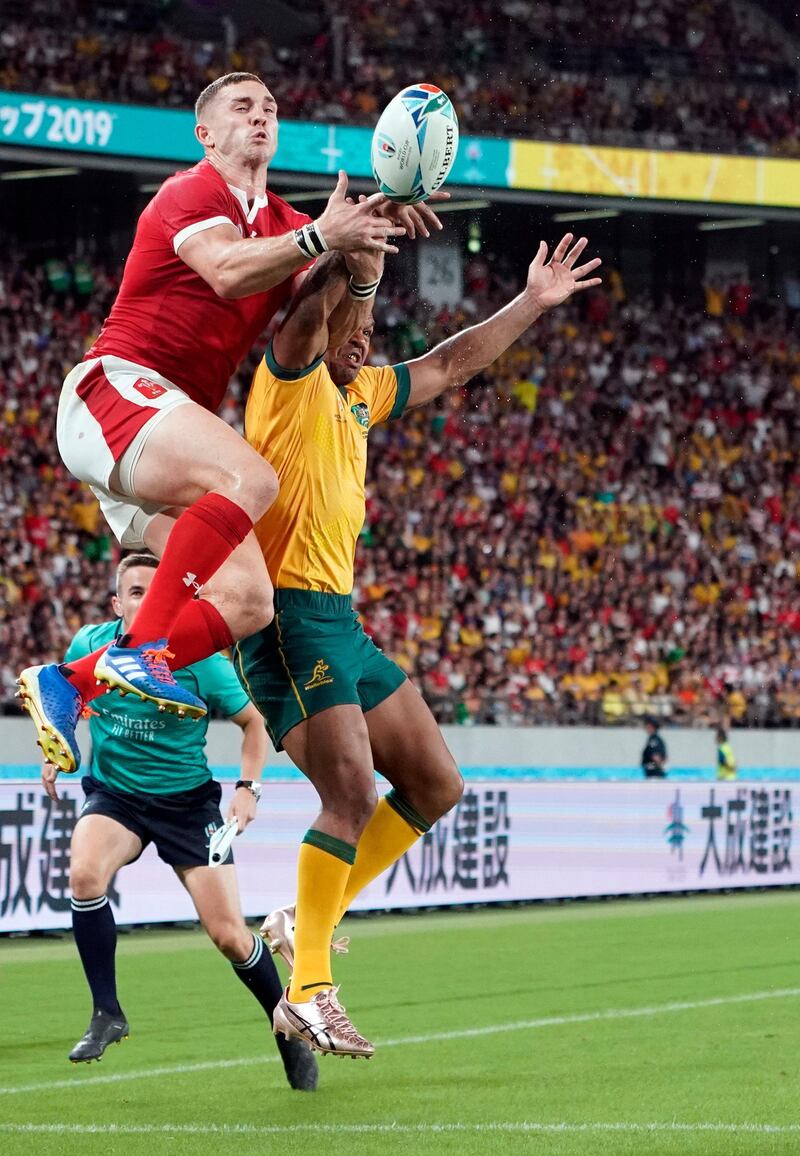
648	173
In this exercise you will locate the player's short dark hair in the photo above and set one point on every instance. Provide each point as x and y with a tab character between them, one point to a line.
217	85
130	560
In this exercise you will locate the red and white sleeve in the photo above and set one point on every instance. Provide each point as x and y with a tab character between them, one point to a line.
187	207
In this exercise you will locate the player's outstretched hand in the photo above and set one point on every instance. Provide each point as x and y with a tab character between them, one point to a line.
347	226
551	282
419	218
49	776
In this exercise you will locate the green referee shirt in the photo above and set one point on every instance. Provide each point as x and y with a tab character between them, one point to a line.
139	749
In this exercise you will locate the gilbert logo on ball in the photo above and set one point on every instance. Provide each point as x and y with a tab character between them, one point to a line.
414	144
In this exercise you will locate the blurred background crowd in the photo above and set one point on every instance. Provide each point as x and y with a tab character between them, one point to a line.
603	526
669	74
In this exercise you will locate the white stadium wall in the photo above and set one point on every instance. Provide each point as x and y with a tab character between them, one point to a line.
515	836
536	748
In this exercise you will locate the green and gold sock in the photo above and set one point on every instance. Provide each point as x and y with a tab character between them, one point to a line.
394	827
323	866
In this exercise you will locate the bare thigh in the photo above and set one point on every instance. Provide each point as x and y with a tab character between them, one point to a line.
332	750
410	752
215	894
191	452
100	846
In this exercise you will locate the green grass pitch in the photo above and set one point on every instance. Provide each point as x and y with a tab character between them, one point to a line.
669	1026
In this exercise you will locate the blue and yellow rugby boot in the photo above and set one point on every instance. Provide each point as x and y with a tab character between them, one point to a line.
55	707
143	671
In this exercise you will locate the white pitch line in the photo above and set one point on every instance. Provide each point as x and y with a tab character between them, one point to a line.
593	1017
523	1126
434	1037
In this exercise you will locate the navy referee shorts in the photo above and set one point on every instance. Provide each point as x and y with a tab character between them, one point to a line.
178	825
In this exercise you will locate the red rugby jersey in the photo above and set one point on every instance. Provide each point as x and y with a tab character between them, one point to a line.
166	317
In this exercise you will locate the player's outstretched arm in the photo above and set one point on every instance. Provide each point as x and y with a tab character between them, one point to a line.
238	267
364	269
366	265
324	301
550	282
303	335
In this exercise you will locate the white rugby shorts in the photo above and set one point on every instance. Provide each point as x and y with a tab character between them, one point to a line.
107	410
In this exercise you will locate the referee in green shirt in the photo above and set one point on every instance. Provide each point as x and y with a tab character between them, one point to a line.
150	783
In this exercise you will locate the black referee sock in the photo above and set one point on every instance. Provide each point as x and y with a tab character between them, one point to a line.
260	975
96	940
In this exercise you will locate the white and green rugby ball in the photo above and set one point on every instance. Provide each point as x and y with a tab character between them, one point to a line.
414	144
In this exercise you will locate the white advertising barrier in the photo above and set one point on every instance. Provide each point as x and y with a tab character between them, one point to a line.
505	841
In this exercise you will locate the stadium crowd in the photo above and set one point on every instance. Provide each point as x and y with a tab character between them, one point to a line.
653	73
605	525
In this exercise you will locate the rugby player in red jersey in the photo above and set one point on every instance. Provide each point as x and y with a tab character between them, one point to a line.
213	259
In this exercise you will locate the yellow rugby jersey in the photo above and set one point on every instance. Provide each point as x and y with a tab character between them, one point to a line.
314	436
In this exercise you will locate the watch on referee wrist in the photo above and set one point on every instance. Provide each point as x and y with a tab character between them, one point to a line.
250	785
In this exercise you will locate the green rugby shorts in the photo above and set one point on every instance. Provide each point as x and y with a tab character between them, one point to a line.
312	656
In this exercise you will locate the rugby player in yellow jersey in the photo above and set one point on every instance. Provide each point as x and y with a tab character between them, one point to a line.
329	697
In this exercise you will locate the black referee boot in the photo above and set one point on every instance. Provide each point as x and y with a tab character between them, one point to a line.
299	1063
104	1029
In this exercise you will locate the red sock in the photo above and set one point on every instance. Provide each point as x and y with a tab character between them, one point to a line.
203	537
80	673
199	632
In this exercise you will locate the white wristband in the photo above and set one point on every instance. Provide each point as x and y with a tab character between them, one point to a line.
363	291
310	241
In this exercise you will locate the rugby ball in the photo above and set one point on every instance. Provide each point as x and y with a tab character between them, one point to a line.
414	144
